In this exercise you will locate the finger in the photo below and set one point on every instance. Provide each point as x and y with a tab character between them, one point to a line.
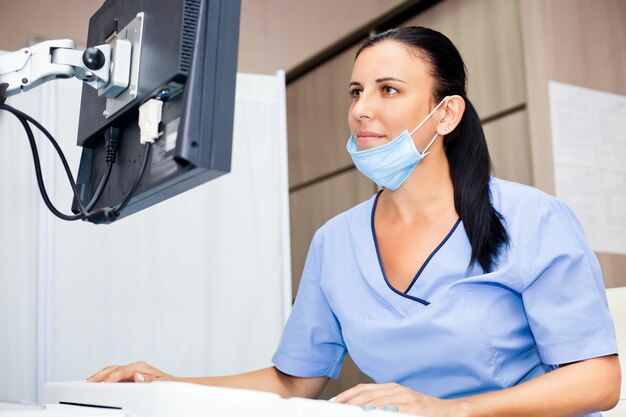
369	398
121	374
348	394
399	398
127	373
363	392
139	377
151	373
387	396
98	376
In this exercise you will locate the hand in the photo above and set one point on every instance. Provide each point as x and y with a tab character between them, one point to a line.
135	372
407	400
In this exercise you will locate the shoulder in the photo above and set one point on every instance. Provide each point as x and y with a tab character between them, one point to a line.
530	213
507	195
520	202
542	230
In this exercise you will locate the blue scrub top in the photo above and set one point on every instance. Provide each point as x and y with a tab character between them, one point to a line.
456	331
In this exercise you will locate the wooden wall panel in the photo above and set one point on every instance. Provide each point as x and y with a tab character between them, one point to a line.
28	21
613	269
487	33
317	120
284	33
509	147
579	42
312	206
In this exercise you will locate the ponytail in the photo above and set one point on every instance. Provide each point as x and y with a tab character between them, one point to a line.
470	171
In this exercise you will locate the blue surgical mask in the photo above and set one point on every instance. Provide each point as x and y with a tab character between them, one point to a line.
389	165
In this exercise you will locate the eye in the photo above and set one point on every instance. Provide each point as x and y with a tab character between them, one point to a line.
388	90
355	93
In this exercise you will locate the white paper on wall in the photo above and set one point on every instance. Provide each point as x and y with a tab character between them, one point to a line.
589	147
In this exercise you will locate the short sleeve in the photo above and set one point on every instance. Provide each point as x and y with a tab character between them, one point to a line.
564	296
312	344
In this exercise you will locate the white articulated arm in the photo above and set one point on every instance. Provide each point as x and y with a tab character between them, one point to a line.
29	67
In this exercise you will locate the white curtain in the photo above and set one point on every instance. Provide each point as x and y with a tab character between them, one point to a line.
19	201
197	285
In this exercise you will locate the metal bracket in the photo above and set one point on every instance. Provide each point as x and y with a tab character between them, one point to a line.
133	32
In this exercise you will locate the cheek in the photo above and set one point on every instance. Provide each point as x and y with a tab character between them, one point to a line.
352	126
405	118
398	122
352	123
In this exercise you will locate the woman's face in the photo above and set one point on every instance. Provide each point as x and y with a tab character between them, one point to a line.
391	91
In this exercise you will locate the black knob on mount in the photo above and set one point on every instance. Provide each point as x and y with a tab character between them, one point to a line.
93	58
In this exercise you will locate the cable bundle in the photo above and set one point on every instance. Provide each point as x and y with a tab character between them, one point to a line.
107	214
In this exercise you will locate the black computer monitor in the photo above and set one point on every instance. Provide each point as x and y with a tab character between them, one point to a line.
185	53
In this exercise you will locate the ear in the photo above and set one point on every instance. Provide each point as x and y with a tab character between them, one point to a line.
450	114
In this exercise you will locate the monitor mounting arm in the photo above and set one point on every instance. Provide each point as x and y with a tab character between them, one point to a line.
104	67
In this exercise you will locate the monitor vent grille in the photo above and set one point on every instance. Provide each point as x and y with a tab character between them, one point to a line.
191	12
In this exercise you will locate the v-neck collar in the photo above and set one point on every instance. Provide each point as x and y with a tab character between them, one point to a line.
419	272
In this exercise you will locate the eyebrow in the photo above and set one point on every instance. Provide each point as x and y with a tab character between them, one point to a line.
378	81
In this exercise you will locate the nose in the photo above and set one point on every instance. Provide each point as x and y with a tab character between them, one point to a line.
362	108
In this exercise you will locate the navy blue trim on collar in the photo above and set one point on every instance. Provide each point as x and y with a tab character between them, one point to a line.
445	239
380	262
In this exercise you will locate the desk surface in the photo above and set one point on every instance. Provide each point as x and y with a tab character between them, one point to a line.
173	399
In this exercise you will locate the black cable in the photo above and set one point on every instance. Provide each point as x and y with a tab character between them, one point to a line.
109	214
133	189
112	137
3	92
56	147
100	190
40	183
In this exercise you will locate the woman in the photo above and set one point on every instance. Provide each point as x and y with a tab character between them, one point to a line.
460	294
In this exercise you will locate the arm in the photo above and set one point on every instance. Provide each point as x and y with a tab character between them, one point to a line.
572	390
268	379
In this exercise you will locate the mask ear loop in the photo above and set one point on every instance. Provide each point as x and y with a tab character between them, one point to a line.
424	153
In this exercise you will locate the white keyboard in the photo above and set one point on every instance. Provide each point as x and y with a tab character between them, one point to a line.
175	399
18	410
